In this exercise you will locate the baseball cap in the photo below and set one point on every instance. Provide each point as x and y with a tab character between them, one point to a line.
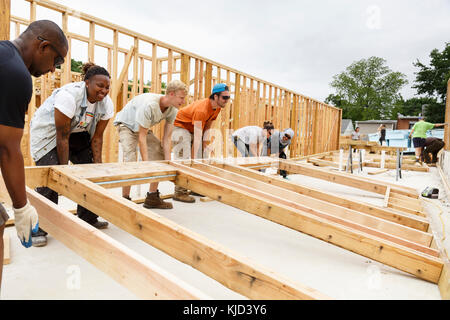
219	88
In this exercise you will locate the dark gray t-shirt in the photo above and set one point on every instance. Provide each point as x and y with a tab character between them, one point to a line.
16	86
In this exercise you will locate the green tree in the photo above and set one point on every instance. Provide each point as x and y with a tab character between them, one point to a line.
367	90
415	106
432	80
148	83
76	66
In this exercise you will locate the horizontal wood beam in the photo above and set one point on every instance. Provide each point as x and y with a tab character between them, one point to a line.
422	265
36	176
326	163
390	165
233	271
344	179
128	268
405	219
416	239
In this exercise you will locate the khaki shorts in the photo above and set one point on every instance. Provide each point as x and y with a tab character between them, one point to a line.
181	143
130	140
3	215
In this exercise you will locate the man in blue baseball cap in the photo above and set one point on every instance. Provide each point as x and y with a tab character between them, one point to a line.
199	115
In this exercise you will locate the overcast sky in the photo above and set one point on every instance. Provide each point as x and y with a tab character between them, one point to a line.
296	44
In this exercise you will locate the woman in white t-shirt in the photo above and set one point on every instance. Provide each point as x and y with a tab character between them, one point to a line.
69	125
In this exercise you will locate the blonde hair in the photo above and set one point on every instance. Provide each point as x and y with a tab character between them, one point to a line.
176	85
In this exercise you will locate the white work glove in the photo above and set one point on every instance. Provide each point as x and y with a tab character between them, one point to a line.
27	222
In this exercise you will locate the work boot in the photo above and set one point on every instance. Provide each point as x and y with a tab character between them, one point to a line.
100	224
192	193
182	195
154	201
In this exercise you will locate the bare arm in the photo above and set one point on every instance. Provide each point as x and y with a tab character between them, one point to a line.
97	141
62	123
11	163
253	149
167	138
142	141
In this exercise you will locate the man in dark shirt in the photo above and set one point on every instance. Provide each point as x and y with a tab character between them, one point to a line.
38	50
432	146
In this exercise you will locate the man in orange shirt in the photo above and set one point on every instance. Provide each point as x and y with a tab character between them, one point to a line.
190	125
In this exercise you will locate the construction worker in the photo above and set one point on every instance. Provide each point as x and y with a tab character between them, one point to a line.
134	124
69	125
356	135
191	123
246	139
431	147
419	134
382	132
277	143
37	51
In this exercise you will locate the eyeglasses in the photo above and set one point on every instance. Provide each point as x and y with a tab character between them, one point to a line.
225	97
59	60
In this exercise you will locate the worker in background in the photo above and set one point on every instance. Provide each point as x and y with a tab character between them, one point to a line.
382	133
356	134
276	144
431	148
191	124
247	139
134	124
69	125
419	134
37	51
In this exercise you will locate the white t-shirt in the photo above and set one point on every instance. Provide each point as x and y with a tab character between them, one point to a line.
65	103
250	134
144	111
355	135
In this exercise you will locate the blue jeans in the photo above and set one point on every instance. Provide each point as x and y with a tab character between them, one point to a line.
79	152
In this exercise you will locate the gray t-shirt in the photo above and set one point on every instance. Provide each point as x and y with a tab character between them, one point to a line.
144	110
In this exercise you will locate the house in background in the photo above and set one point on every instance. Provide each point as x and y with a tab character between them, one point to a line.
371	126
406	122
347	127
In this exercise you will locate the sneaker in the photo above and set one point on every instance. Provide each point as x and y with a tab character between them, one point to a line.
39	241
154	201
100	224
182	195
40	232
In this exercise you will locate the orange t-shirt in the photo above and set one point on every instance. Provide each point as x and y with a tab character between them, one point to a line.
200	110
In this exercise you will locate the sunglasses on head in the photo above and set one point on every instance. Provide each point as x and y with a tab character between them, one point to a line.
59	60
225	97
